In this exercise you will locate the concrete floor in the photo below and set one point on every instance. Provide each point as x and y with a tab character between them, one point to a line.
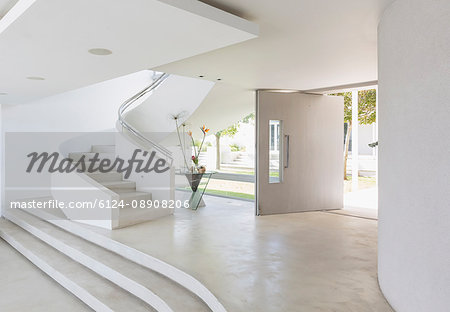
365	198
25	288
311	261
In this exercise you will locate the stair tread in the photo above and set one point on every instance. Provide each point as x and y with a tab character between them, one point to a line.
117	182
105	173
123	183
89	155
108	293
92	153
236	166
106	177
131	193
177	297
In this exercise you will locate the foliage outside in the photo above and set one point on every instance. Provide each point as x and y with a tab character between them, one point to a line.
205	146
230	132
237	148
367	114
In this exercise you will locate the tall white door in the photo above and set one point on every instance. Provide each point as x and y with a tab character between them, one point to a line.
300	141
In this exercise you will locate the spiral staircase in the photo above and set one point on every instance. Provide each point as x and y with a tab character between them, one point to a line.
105	274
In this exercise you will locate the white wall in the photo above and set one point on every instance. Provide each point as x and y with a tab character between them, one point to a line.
93	108
365	137
177	95
414	162
2	165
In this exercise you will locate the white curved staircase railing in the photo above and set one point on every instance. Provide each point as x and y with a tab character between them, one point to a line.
135	132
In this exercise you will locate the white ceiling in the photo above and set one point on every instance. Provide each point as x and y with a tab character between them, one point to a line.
51	39
5	6
302	45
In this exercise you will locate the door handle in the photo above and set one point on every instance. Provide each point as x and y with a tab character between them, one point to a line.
286	136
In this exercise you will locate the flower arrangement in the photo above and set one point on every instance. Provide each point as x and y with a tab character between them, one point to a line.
196	155
197	152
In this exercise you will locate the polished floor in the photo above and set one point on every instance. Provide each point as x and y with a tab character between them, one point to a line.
313	261
24	288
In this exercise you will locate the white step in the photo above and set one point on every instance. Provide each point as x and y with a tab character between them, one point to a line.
135	278
89	155
106	177
131	213
103	149
130	216
233	170
134	255
137	207
240	162
120	185
95	291
130	195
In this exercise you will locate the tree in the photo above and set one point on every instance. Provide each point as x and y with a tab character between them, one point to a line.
249	118
231	132
367	101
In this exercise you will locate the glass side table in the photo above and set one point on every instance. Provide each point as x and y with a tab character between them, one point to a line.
194	180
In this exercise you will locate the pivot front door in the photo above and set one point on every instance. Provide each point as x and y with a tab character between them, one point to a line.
300	141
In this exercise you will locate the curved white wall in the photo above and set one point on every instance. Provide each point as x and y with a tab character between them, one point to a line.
414	157
176	95
88	109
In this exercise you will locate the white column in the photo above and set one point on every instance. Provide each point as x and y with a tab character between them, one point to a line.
376	137
2	165
414	197
355	141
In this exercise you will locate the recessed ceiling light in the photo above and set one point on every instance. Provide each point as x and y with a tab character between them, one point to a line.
35	78
100	51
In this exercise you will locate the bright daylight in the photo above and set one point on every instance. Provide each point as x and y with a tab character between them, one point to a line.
225	155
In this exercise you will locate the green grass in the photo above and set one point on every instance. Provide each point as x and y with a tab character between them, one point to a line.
223	193
363	179
364	183
272	174
240	172
229	194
